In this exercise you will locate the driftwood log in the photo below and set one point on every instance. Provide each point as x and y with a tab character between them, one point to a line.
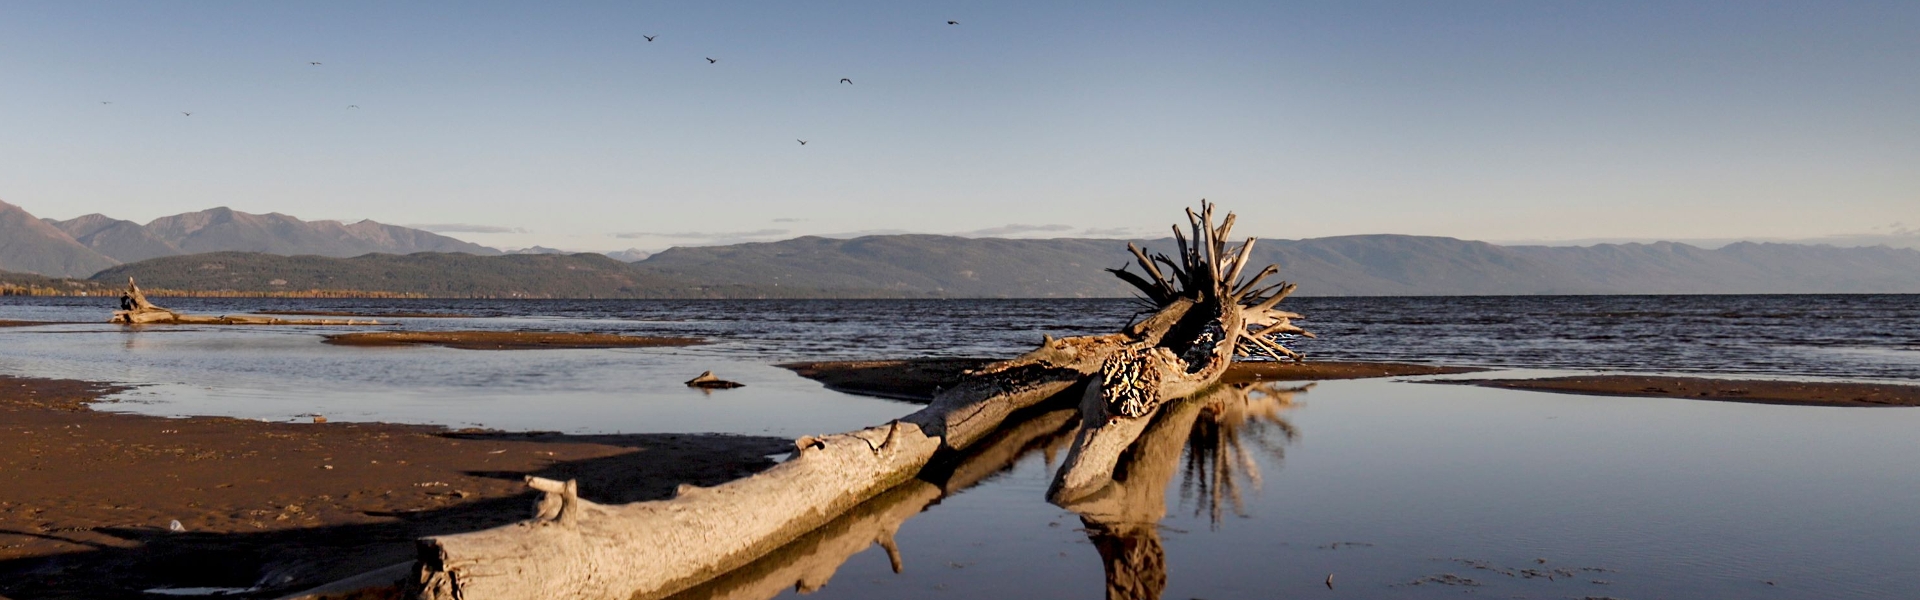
574	548
136	310
1230	316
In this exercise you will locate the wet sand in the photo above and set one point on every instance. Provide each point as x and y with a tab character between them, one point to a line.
1802	393
378	315
504	340
88	495
918	379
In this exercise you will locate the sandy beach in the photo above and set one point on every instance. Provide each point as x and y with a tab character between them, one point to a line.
918	379
91	494
375	315
7	323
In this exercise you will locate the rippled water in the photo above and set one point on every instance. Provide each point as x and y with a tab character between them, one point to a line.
1396	489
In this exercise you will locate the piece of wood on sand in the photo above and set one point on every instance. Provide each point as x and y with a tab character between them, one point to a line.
574	548
136	310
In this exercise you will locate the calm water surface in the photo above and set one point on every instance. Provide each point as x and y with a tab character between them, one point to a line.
1397	489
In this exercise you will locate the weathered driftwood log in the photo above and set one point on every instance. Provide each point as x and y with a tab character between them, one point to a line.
1230	316
580	549
136	310
652	549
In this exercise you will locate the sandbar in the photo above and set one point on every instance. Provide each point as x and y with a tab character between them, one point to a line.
379	315
90	495
1802	393
505	340
7	323
918	379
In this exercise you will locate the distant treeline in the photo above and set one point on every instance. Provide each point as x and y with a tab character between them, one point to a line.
27	284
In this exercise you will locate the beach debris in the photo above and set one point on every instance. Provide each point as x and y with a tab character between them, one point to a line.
319	419
708	381
1203	315
175	526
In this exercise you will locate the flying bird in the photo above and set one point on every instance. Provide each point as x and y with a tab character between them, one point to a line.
802	142
186	113
105	102
316	63
712	60
953	22
353	106
649	37
846	81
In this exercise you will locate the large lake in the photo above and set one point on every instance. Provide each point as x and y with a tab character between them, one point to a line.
1396	488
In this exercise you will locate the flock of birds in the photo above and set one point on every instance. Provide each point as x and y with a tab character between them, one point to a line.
710	60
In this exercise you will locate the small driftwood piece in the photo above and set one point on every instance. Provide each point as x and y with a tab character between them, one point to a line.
653	549
708	381
136	310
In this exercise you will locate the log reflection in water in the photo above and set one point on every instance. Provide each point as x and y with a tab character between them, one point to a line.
1219	456
809	562
1123	517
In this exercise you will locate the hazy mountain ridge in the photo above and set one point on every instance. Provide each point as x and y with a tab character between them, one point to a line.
30	245
123	241
1361	265
455	275
84	245
226	230
944	266
908	265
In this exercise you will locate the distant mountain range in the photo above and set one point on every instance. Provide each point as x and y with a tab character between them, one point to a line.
222	249
445	275
1361	265
920	266
85	245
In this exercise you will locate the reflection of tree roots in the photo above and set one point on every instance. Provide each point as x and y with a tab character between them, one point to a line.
1213	431
1135	561
1218	457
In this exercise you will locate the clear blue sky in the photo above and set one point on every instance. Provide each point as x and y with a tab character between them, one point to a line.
560	125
